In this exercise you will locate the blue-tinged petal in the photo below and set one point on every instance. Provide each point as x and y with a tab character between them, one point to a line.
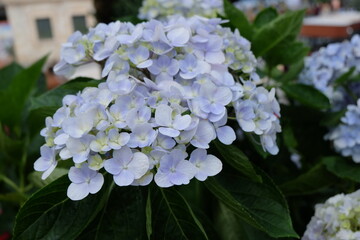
163	115
77	191
162	179
179	36
182	122
113	166
226	135
124	178
215	57
170	132
139	165
49	170
96	183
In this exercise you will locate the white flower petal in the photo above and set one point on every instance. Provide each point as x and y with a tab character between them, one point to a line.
124	178
226	135
96	183
139	165
77	191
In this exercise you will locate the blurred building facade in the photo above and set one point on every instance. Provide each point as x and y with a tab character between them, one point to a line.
39	27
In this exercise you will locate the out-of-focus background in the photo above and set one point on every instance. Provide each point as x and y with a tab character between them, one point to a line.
30	29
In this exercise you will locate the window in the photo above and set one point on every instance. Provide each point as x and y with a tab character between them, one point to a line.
44	28
79	23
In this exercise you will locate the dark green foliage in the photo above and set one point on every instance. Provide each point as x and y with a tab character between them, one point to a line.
259	204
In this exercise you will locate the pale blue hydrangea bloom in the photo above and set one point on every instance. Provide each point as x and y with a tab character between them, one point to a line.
336	219
126	166
47	162
161	9
260	113
84	181
168	86
346	136
206	165
323	67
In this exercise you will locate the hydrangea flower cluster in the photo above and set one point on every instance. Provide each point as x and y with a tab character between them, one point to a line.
323	67
161	9
337	219
346	136
168	90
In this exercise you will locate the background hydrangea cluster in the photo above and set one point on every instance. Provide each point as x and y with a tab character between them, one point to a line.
337	219
346	136
325	66
161	9
322	70
169	88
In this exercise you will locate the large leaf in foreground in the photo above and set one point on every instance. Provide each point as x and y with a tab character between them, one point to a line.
231	227
122	218
173	217
238	160
260	204
50	214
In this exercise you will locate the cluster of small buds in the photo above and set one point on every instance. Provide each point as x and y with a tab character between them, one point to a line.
323	67
346	136
337	219
161	9
168	89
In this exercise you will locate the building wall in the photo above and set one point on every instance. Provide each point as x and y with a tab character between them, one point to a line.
22	15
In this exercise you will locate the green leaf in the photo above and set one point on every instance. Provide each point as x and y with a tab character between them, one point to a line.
255	142
238	160
343	168
54	97
265	16
49	214
332	119
230	226
344	77
122	218
307	95
36	119
259	204
8	73
293	72
238	19
173	217
14	97
286	26
35	177
287	52
310	182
